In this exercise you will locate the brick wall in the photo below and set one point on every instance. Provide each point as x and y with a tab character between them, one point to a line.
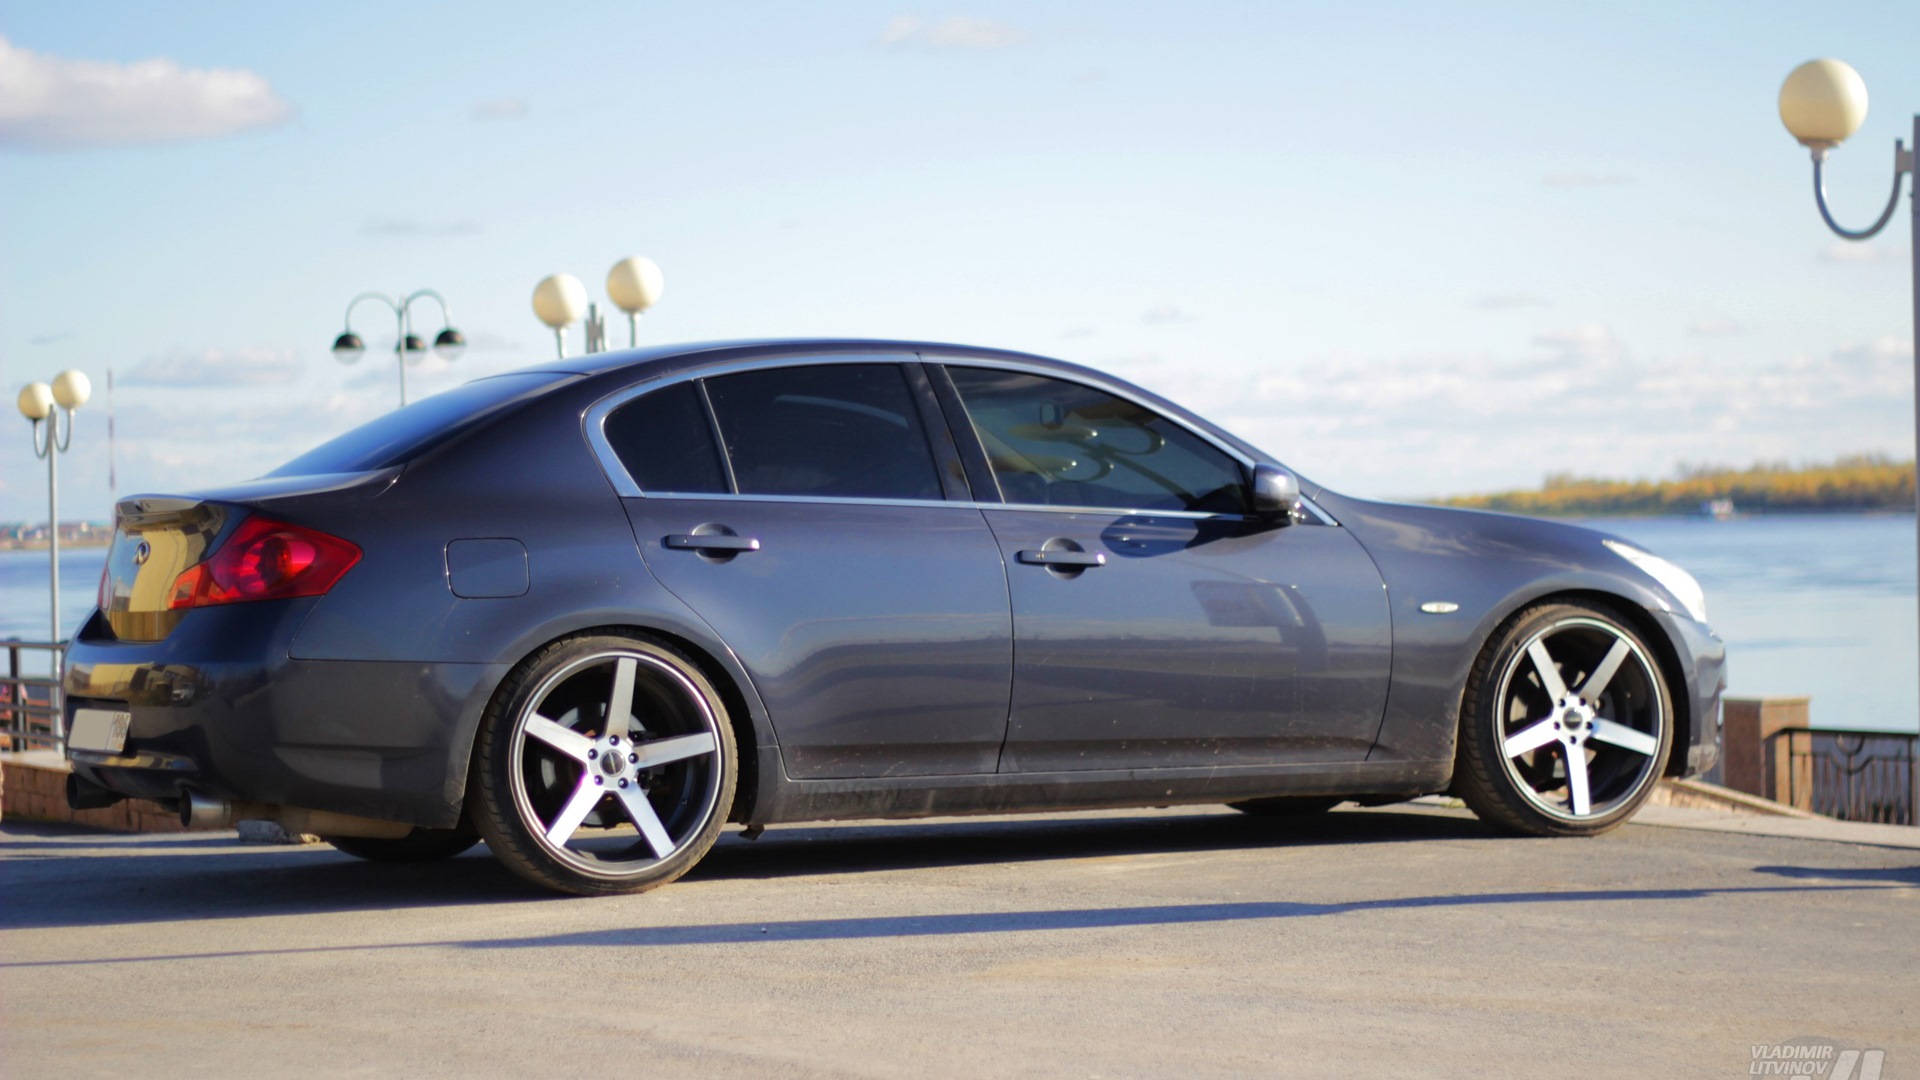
35	789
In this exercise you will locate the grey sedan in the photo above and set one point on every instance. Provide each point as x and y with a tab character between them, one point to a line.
594	610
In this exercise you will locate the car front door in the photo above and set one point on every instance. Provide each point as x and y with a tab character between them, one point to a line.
802	510
1157	623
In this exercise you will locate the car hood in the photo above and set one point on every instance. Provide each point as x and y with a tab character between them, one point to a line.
1501	559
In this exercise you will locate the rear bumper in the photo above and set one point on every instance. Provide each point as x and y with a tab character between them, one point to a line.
1703	663
219	708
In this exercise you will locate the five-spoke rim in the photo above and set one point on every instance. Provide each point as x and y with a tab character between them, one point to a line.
1582	717
615	762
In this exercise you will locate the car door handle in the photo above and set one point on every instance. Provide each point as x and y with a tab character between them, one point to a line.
1063	558
711	542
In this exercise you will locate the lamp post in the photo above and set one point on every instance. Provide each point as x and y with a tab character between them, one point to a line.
40	402
634	285
448	344
1821	103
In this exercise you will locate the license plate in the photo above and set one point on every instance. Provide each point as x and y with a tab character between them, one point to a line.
104	730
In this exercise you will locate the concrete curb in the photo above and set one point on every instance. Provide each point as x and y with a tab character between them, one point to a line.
1814	828
1700	795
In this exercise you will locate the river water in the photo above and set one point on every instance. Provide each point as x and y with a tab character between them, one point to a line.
1819	605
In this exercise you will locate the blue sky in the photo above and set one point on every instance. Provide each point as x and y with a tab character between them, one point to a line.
1410	249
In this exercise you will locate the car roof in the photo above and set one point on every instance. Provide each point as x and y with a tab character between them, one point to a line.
685	355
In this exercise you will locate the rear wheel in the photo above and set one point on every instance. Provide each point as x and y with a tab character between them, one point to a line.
420	845
604	765
1566	725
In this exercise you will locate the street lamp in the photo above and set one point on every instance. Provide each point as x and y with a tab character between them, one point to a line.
1821	103
447	345
40	402
559	300
634	285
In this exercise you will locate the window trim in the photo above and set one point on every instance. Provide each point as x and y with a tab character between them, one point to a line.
953	399
595	418
593	424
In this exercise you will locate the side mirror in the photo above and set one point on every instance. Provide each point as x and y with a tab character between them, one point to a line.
1275	491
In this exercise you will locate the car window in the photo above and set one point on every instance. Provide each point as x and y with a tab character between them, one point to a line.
849	430
665	442
406	433
1058	443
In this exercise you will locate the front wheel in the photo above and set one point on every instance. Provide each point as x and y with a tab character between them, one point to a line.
605	764
1566	725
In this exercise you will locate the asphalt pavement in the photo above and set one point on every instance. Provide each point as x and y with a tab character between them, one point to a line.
1400	942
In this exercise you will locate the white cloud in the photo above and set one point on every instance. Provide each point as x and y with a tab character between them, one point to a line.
1715	328
218	368
499	109
1844	251
1582	346
1577	179
1579	400
1503	301
484	341
957	32
1165	315
51	102
412	227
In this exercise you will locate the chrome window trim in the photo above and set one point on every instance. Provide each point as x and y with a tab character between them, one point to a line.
959	504
593	423
1099	384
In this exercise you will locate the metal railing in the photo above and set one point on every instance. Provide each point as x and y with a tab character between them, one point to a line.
30	713
1851	775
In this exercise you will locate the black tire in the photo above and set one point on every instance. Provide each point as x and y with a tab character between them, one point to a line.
1544	751
420	845
554	787
1288	806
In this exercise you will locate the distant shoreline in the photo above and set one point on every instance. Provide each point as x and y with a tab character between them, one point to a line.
1860	484
65	545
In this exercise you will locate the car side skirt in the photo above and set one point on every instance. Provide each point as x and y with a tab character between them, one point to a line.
1016	793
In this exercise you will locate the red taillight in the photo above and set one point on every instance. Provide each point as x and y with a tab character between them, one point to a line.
265	560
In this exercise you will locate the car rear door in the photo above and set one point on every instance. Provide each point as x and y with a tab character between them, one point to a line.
1156	623
802	508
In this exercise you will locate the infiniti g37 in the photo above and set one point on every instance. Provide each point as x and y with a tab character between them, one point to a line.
593	611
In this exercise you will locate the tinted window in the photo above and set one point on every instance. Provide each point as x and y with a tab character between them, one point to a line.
1056	443
408	432
837	429
665	442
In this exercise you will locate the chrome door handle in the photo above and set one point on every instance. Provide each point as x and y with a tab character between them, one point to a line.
1061	557
711	542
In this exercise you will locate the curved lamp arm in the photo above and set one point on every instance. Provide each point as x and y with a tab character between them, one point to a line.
355	302
446	312
52	442
1902	165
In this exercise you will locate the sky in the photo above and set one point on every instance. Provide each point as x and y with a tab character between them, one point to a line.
1409	249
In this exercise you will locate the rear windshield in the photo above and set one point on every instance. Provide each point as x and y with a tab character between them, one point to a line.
405	433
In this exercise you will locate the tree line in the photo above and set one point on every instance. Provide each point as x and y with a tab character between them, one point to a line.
1855	482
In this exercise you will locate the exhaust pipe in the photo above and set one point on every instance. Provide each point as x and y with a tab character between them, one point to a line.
87	795
200	812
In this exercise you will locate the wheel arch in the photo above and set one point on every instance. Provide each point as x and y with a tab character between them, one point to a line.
757	749
1679	700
